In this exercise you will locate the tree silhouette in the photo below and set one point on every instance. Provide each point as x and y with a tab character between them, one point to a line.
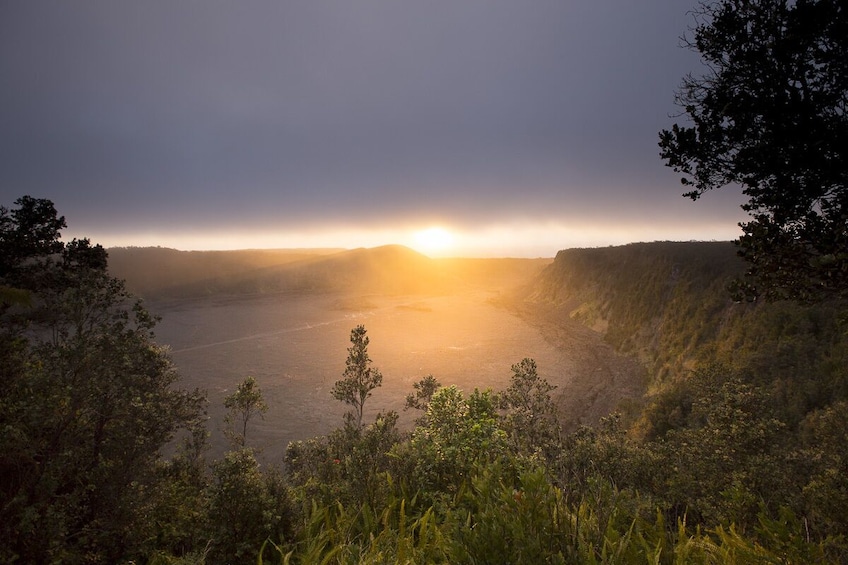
769	115
242	405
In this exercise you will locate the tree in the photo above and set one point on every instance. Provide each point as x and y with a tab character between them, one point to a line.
531	421
769	115
178	504
88	399
424	390
359	378
28	231
242	405
824	455
247	506
458	434
715	464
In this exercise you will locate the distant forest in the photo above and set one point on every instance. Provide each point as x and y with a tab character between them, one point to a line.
736	453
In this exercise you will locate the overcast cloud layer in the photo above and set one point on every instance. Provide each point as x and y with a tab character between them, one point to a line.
188	117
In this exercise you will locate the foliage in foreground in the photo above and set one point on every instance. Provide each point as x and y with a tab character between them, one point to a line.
532	521
728	485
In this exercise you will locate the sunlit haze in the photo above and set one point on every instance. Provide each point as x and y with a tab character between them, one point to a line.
508	240
435	240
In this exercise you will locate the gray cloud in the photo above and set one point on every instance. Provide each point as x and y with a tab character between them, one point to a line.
166	113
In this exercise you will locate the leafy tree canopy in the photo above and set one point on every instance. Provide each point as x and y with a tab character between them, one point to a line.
769	115
424	390
531	420
87	398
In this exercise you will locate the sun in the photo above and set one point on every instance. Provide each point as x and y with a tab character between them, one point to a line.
434	239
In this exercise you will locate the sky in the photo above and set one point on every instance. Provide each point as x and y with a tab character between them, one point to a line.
457	127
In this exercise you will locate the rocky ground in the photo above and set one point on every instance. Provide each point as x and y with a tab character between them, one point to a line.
602	381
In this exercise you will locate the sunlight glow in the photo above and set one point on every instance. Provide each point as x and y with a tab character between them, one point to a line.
433	240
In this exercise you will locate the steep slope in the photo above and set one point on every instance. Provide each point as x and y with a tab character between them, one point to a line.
667	304
658	301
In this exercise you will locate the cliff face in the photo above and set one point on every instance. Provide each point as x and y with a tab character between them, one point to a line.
657	301
667	304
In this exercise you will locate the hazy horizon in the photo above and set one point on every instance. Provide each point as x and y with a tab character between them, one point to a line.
435	241
446	253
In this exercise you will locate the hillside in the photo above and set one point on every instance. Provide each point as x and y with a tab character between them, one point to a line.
167	273
658	301
667	303
161	273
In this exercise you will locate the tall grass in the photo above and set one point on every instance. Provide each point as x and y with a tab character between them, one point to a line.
492	520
